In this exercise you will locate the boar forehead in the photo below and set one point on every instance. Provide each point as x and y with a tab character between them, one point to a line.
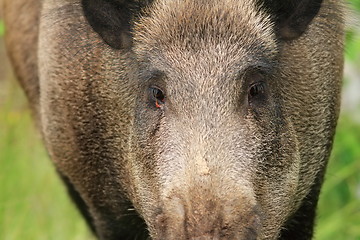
229	30
203	48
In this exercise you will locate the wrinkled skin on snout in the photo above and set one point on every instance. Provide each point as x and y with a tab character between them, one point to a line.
172	119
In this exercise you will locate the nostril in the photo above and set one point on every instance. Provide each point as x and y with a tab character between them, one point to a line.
203	218
205	237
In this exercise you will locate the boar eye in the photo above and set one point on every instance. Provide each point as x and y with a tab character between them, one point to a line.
157	96
257	91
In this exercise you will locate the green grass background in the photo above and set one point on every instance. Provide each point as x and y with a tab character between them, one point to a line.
34	204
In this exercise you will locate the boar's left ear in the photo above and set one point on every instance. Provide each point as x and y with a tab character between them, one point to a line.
292	17
111	19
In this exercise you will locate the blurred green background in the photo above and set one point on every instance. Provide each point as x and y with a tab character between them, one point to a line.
34	204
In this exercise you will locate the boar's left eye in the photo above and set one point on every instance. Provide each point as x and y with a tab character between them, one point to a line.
257	92
157	96
257	89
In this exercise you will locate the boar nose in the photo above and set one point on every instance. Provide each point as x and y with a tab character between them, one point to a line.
205	217
206	237
213	237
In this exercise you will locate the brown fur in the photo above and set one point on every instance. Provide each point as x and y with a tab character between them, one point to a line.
209	163
22	45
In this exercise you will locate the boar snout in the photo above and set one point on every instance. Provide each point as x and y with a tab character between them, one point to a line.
199	216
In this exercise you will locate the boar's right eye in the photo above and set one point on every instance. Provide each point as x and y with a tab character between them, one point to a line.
157	96
257	91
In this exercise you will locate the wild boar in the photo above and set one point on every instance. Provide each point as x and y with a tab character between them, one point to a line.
184	119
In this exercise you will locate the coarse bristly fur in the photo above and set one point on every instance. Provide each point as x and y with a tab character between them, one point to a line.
184	119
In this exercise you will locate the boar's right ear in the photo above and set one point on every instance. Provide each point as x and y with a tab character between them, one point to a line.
111	19
292	17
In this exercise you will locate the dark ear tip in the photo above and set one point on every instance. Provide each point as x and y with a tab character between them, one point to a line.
126	40
111	19
117	39
287	33
114	42
292	17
